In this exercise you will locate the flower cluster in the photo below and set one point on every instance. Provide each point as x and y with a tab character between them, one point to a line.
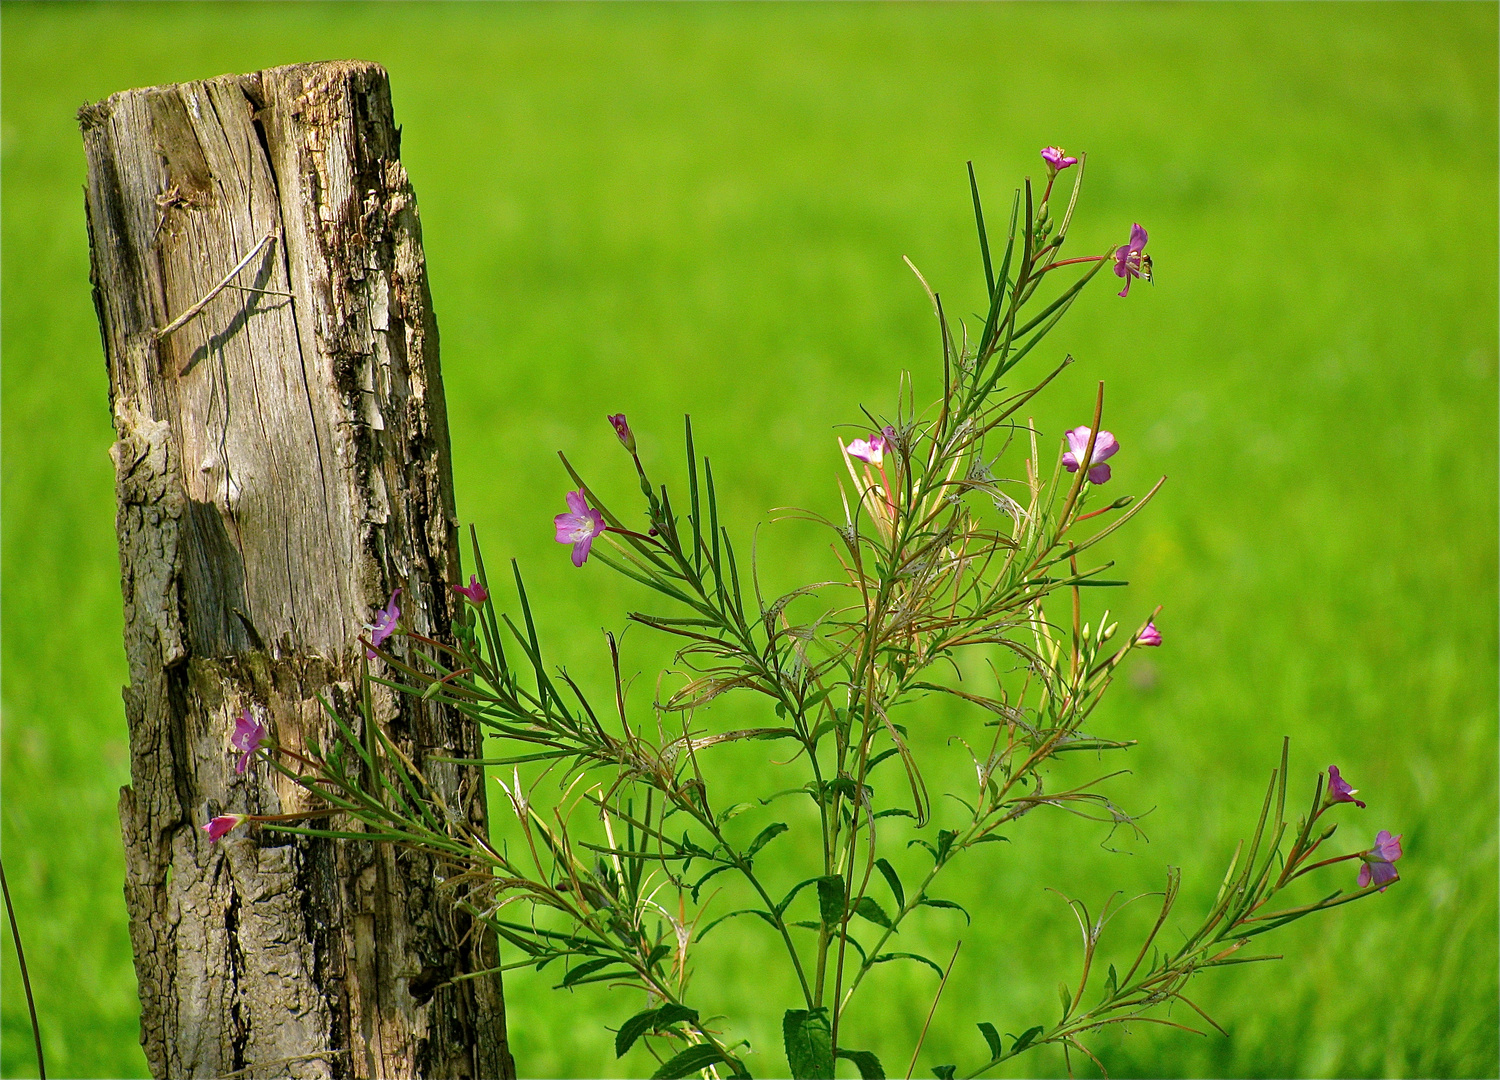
1377	866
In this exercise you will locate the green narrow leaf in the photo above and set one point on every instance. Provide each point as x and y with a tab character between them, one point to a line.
878	758
885	957
944	1072
984	237
786	901
698	886
992	1037
769	833
896	812
868	1064
867	908
673	1013
633	1029
651	1020
831	899
692	464
925	902
536	650
693	1059
1026	1039
889	873
743	911
585	969
809	1044
731	812
991	321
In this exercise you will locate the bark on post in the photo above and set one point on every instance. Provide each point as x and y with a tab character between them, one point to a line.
282	465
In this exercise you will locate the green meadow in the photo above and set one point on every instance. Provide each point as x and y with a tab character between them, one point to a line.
670	209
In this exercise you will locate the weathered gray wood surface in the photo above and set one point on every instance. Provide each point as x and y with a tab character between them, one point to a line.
282	464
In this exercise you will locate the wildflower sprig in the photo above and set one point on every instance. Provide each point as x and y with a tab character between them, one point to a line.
962	532
1258	872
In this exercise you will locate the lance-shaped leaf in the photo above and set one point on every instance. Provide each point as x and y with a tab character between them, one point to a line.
693	1059
808	1042
867	1063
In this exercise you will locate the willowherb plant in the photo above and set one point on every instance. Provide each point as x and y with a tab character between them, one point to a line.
622	857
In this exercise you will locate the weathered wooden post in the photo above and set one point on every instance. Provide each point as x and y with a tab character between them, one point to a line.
283	465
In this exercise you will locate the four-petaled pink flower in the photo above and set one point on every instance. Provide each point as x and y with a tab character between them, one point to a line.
1105	447
473	592
384	625
872	450
249	735
1150	636
221	825
580	527
1131	260
1056	160
1378	865
622	429
1339	789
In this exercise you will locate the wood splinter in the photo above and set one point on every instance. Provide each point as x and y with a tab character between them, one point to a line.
192	312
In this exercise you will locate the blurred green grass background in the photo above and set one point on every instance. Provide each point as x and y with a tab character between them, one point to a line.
669	209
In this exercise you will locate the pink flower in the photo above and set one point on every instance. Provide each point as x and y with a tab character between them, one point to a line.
1105	447
580	527
1378	862
1339	789
872	451
622	430
384	625
1056	160
1150	635
249	735
474	592
1131	260
221	825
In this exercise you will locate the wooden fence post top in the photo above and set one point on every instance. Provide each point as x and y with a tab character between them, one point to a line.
324	339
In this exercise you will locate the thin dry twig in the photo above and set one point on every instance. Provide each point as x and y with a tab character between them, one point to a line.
192	312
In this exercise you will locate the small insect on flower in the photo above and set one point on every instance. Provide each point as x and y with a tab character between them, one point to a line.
1339	789
249	735
1105	447
473	592
1131	260
384	625
1379	868
622	431
579	527
221	825
1150	635
1056	160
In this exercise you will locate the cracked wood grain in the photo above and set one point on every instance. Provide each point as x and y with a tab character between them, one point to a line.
282	465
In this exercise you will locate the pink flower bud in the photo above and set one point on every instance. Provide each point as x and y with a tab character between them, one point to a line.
473	592
221	825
